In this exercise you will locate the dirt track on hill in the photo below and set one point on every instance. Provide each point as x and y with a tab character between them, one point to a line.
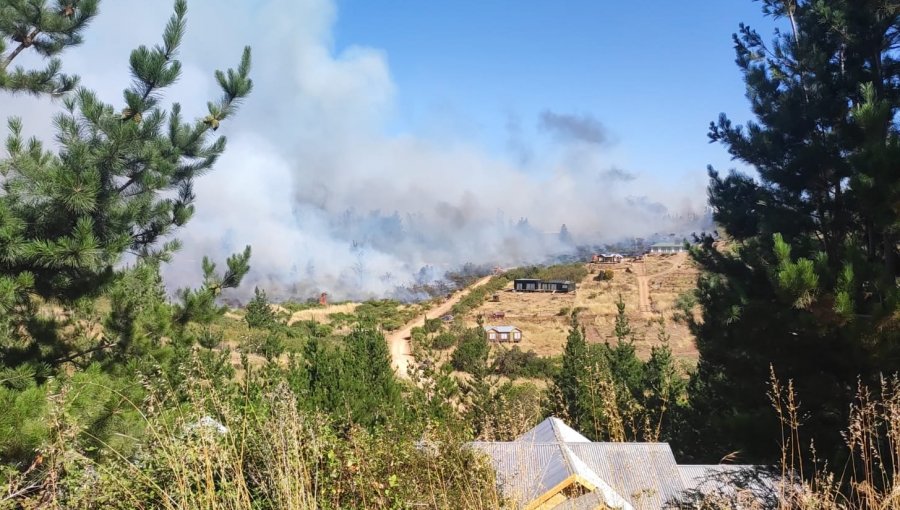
643	279
398	341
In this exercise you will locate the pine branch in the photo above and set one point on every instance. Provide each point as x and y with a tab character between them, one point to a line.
26	43
72	357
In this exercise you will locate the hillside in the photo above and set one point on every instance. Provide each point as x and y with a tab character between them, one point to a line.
648	287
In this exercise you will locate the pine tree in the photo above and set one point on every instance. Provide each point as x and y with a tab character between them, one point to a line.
32	25
806	280
122	178
259	313
354	384
565	394
664	390
622	326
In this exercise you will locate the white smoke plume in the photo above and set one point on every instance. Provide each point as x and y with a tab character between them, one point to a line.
328	200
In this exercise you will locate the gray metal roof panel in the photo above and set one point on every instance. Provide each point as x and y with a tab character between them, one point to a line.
552	430
645	474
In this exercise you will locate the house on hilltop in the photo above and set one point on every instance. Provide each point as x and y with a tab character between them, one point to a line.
607	258
553	467
536	285
503	334
663	248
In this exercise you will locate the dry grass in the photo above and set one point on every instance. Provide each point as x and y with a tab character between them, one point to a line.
321	314
544	330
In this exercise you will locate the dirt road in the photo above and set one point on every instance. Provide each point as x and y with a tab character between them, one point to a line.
398	341
643	279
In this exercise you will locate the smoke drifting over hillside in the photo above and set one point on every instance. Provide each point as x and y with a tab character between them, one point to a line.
327	199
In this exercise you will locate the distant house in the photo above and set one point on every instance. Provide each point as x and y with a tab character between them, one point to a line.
662	248
536	285
607	258
503	334
554	467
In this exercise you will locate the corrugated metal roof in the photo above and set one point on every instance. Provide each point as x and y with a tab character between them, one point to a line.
612	498
501	329
645	474
729	479
527	471
624	475
552	430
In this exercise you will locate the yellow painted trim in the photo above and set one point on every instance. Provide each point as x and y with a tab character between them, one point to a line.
538	501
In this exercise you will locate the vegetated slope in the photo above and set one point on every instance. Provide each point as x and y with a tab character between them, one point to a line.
398	341
544	318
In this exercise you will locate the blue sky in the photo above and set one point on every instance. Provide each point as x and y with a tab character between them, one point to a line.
655	73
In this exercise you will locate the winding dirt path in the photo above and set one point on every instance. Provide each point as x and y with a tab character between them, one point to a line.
643	279
398	341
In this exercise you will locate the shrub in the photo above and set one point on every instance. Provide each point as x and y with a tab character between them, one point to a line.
259	313
517	363
472	353
573	272
444	341
432	325
604	275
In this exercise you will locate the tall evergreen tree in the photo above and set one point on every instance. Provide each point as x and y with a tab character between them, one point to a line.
122	178
565	391
806	279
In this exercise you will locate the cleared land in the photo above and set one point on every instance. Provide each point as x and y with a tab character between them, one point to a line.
649	289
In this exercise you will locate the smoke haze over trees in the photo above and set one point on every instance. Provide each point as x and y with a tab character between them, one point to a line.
327	198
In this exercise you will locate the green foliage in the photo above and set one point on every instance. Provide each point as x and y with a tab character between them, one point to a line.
444	340
607	393
353	382
622	330
807	281
385	313
47	30
140	315
604	275
471	354
432	325
199	305
515	362
566	400
574	272
258	312
118	180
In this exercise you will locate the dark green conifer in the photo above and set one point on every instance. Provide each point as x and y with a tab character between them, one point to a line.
806	278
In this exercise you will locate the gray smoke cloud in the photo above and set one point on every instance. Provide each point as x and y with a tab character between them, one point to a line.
583	128
618	174
328	200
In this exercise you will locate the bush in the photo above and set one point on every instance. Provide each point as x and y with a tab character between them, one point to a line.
516	363
604	275
573	272
444	341
472	353
432	325
259	313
